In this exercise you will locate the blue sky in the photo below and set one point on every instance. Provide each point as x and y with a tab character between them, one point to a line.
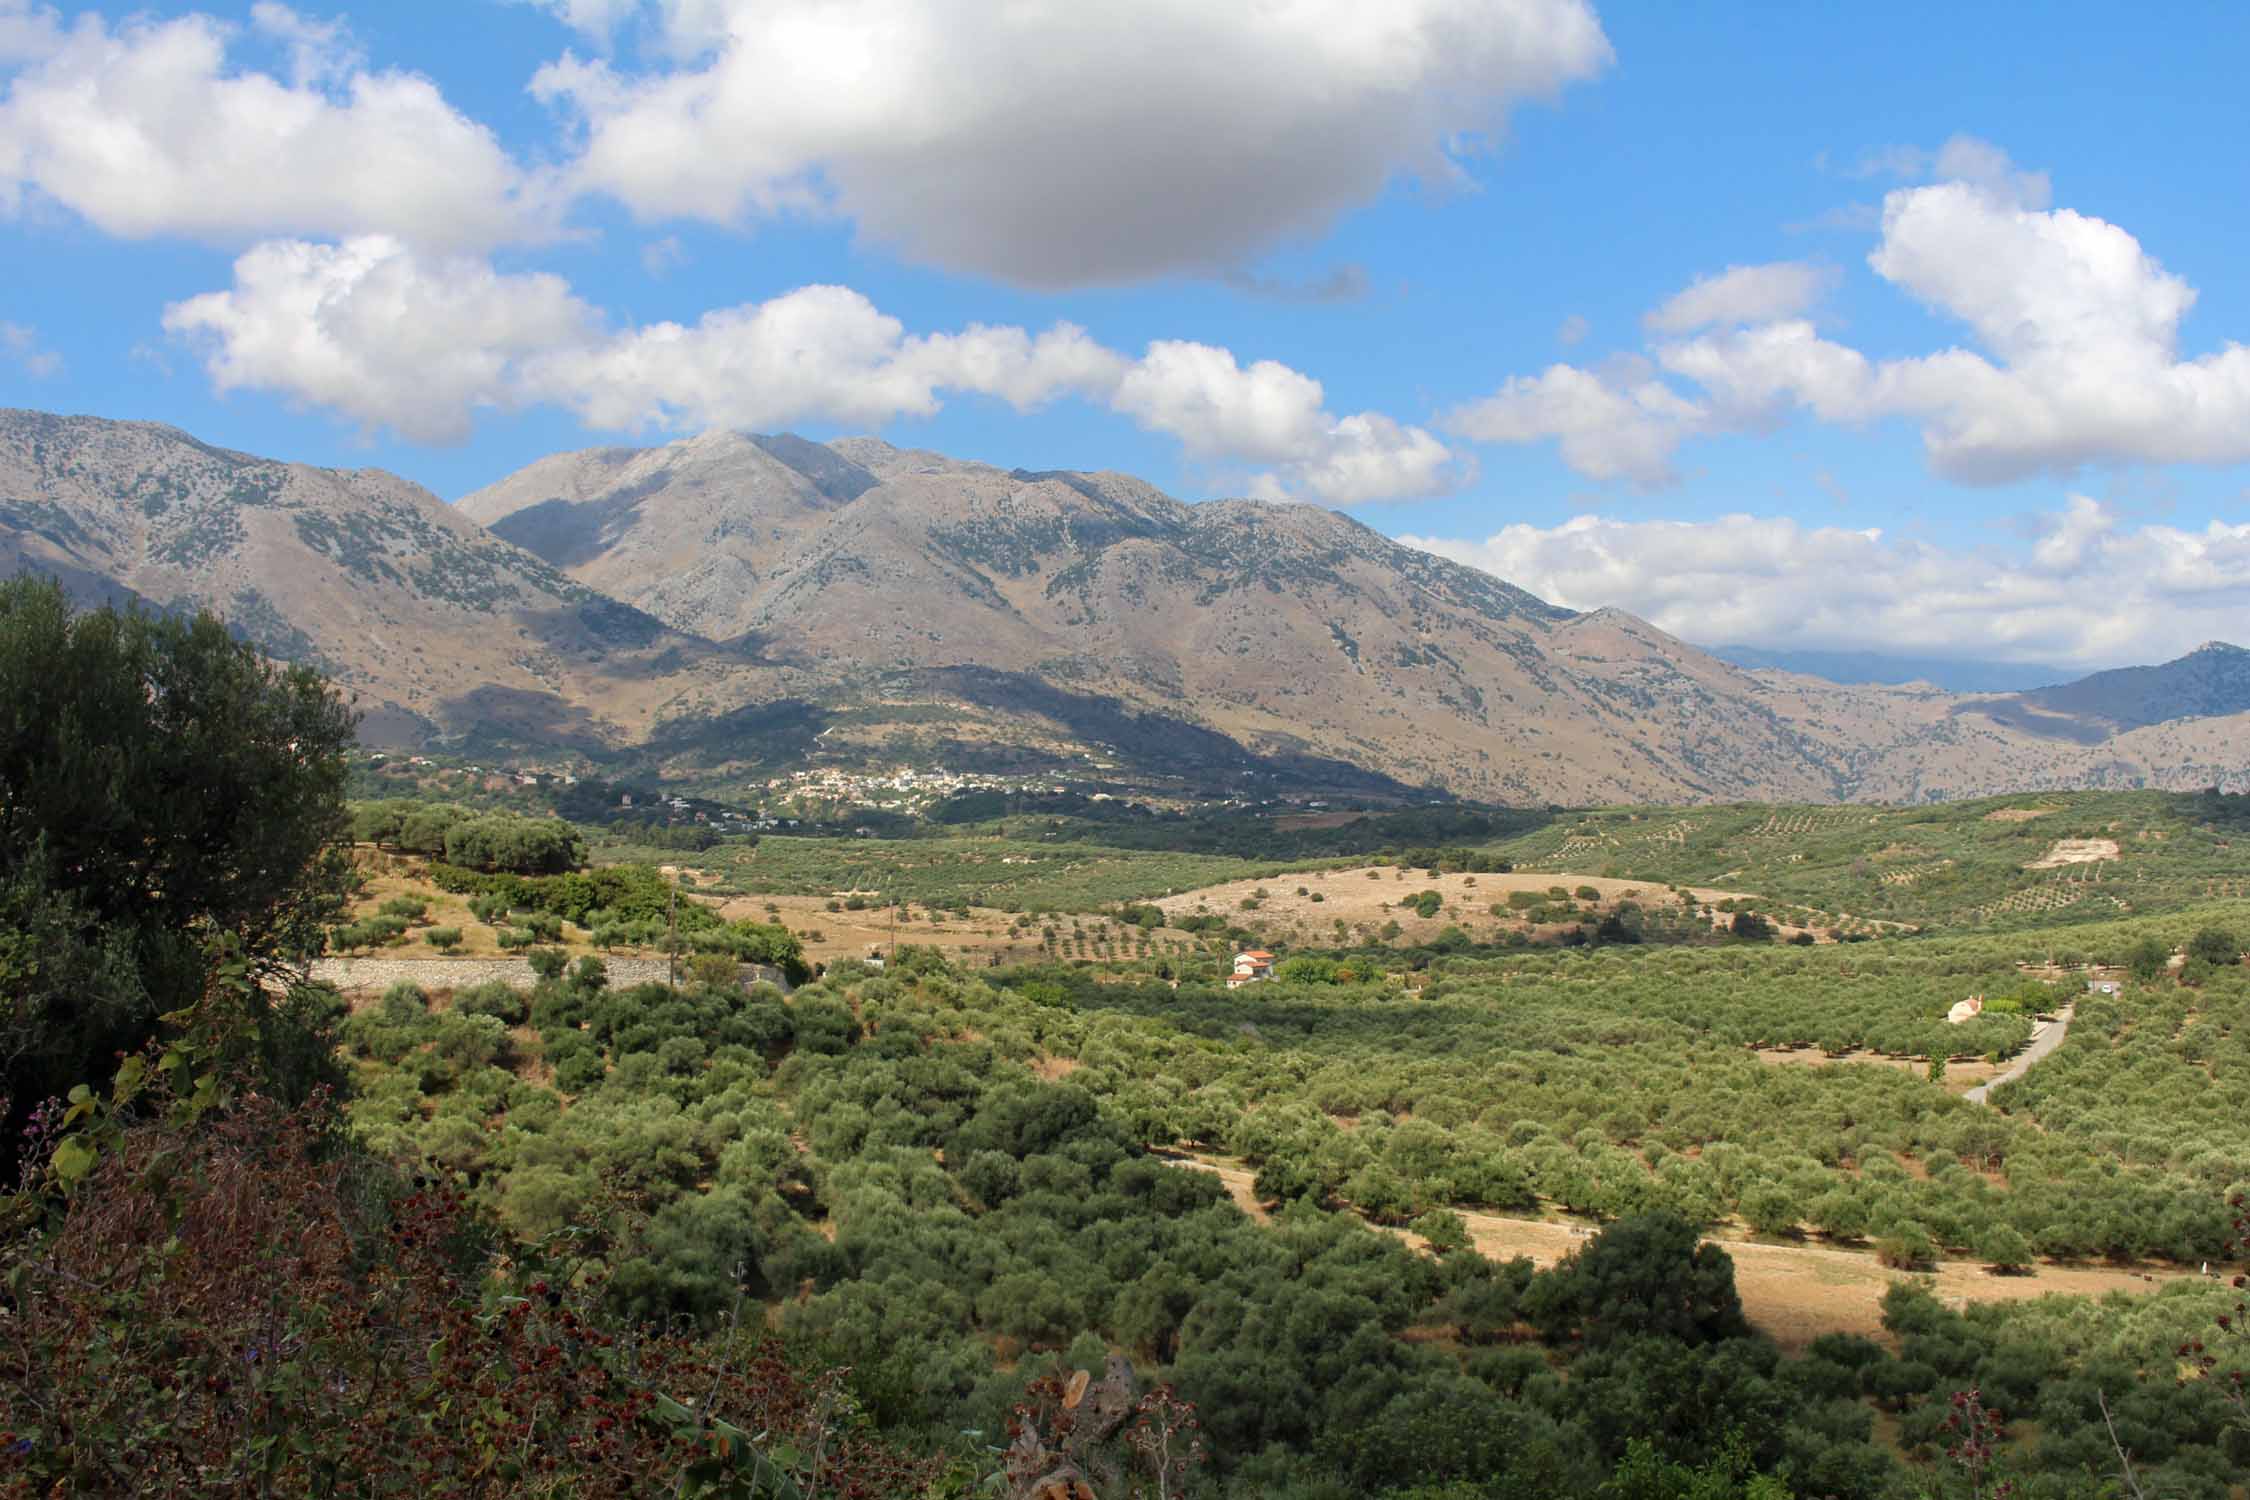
1906	328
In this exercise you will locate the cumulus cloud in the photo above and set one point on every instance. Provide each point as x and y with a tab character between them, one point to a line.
370	329
1619	424
2090	592
390	336
27	31
1059	144
1743	294
2079	360
149	128
20	347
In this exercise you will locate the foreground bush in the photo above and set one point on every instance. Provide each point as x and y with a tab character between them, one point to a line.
239	1303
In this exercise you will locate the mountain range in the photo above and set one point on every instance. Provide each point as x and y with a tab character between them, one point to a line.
1954	674
726	605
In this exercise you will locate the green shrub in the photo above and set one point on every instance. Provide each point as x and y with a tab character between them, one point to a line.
496	998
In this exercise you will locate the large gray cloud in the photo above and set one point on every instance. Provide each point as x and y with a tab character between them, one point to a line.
1060	142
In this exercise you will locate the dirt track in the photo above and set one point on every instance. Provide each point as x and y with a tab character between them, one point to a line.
2047	1041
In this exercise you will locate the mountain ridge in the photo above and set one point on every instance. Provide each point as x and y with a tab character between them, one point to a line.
715	605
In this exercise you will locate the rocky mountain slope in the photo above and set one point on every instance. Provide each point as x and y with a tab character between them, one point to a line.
430	621
1295	632
730	603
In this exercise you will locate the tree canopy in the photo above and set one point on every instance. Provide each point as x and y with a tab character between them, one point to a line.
160	782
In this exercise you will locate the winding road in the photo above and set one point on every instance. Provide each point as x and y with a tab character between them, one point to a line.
2047	1041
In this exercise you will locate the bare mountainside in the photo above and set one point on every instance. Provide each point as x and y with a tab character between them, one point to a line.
1288	629
429	620
728	604
1293	631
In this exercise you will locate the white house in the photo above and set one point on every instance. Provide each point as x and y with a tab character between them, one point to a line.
1250	966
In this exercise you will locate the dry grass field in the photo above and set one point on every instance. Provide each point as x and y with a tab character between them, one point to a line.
1312	902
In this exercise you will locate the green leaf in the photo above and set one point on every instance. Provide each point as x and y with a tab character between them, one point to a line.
73	1159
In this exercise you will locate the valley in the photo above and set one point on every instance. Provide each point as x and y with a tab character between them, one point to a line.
1545	1053
983	925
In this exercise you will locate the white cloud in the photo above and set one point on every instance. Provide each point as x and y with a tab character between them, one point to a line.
1061	144
20	346
1743	294
2078	327
658	257
597	19
1572	330
150	129
28	31
368	329
1984	165
388	336
1610	426
319	51
2091	592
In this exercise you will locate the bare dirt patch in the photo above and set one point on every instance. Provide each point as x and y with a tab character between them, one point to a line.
1371	895
983	938
2076	852
2017	814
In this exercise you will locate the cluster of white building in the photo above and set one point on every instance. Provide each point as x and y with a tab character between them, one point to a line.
902	790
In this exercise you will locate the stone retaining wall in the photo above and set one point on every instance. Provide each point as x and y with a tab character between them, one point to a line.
461	973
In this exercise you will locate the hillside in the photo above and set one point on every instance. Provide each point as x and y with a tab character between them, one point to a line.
722	607
431	622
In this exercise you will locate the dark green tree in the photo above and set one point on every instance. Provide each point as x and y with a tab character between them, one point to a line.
1648	1274
160	784
2215	946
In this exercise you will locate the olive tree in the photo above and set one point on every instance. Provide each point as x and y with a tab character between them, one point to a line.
160	783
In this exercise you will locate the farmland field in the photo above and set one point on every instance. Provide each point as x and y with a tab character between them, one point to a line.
1040	1138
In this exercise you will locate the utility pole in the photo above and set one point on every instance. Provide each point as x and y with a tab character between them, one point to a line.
672	933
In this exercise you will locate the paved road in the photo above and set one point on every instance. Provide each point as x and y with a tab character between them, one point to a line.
2046	1042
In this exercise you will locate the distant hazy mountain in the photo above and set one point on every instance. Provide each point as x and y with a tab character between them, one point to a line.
1955	676
2211	681
726	605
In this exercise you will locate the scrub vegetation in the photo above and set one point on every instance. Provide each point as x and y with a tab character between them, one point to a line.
1097	1225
